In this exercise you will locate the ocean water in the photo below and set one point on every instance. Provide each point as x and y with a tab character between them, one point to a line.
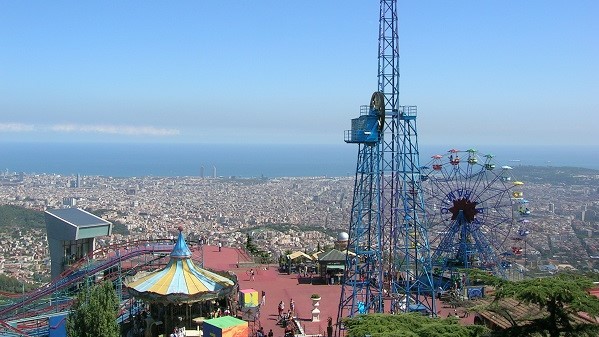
246	160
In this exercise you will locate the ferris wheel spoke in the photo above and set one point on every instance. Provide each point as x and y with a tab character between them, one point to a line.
491	196
488	255
477	183
498	228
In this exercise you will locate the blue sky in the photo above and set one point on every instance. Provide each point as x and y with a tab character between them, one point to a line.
481	72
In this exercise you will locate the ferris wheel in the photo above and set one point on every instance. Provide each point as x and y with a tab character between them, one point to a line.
472	207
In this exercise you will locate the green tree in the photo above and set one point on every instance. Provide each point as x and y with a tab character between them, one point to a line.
283	261
94	313
409	325
480	277
563	296
250	246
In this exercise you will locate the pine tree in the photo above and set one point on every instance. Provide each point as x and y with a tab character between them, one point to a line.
409	325
94	313
250	246
563	296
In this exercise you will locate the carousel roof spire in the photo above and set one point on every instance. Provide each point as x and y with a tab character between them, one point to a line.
181	281
181	250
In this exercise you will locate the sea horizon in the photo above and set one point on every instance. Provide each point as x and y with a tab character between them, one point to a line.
244	160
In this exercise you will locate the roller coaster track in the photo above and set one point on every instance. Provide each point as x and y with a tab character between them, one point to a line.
110	262
7	330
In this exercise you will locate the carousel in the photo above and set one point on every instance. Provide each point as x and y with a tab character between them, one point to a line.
179	296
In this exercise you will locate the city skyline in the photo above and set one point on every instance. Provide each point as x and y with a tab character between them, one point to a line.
295	72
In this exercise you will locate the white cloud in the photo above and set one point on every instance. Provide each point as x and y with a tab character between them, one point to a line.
115	129
126	130
16	127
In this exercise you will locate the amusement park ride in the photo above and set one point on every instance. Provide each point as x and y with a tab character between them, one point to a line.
472	207
387	226
467	207
36	312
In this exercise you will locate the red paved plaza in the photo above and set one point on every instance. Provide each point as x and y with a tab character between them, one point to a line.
278	287
283	287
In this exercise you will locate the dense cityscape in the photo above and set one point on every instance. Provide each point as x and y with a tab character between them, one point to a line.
279	214
114	221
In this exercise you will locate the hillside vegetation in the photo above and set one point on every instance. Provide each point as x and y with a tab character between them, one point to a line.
15	217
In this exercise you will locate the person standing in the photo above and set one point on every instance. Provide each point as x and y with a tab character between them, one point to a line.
220	246
291	308
252	274
330	327
263	302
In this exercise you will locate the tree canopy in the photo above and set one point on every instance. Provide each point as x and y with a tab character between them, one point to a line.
560	299
13	285
409	325
20	217
94	313
262	255
563	296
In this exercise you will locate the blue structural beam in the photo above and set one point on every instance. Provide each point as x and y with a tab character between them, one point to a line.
387	230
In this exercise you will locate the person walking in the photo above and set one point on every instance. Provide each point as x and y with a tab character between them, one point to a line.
220	246
281	309
252	272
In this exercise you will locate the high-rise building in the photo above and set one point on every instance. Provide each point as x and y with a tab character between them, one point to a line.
69	201
202	172
214	171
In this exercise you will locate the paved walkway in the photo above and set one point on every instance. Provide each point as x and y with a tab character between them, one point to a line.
278	287
283	287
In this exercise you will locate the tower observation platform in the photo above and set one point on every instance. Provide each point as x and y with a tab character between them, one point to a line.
71	235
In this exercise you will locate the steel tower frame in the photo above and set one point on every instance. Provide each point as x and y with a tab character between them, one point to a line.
412	284
387	225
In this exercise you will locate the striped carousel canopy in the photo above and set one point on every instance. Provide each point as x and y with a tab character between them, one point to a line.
181	281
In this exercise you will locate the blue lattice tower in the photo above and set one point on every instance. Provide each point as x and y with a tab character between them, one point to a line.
412	285
387	230
362	285
407	262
